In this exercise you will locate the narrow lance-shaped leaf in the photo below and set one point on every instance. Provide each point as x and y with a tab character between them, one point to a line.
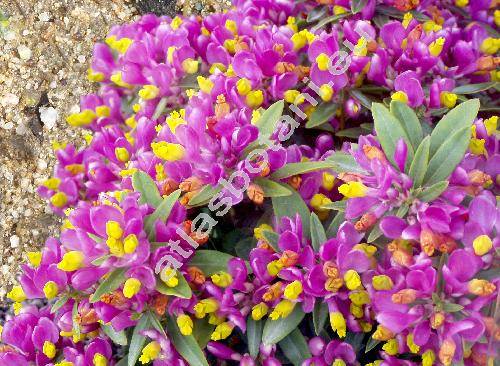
389	131
320	316
344	163
182	289
185	345
322	114
272	239
292	169
474	88
286	206
459	117
161	213
144	184
431	193
272	188
204	195
210	261
254	335
276	330
318	235
447	156
418	166
295	348
112	281
138	340
409	121
270	118
117	337
335	224
357	5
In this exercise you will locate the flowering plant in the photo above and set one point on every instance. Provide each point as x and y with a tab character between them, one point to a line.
289	182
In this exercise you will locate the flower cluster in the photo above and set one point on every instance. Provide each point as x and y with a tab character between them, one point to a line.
288	182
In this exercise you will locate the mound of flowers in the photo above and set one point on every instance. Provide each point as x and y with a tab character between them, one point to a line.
305	183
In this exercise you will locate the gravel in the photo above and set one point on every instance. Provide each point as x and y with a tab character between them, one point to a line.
46	48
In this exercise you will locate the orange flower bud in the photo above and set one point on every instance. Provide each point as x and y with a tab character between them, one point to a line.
447	351
405	296
289	258
196	275
437	319
191	184
255	193
330	269
366	221
295	181
159	304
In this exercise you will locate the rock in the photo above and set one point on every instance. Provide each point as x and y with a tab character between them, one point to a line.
48	115
158	7
24	52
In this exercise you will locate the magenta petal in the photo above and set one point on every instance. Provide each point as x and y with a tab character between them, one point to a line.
421	333
392	226
395	321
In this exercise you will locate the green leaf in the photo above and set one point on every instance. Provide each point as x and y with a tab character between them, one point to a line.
182	290
289	206
328	20
295	348
202	331
355	340
389	131
272	188
117	337
61	301
362	98
185	345
317	13
155	322
138	340
74	318
447	156
161	213
431	193
352	133
276	330
318	235
418	166
292	169
210	261
449	307
123	361
272	238
344	163
394	13
336	205
204	195
409	121
254	335
322	114
320	316
375	233
99	261
474	88
357	5
112	281
144	184
371	344
160	108
244	246
458	118
269	119
335	224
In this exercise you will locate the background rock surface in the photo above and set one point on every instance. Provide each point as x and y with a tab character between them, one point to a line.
46	47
